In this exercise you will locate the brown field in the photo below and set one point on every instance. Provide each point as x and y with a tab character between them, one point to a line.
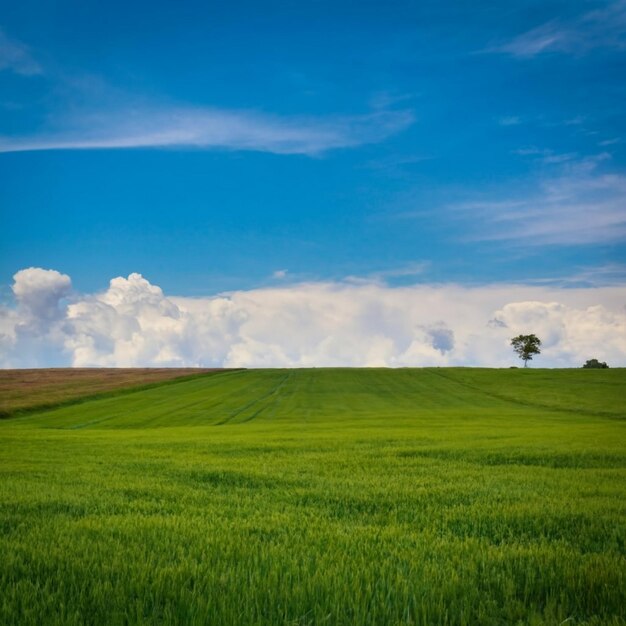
27	389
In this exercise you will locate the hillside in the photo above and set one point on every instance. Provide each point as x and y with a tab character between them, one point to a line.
322	496
334	395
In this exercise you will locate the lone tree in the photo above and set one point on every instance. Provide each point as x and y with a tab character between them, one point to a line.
526	346
595	364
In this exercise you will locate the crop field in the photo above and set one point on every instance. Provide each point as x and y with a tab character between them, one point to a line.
24	390
321	496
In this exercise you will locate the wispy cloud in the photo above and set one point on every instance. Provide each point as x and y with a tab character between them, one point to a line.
405	271
532	151
545	37
545	155
144	127
610	274
610	142
383	100
579	205
552	159
510	120
601	28
16	57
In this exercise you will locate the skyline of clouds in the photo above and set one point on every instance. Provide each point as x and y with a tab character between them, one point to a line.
315	324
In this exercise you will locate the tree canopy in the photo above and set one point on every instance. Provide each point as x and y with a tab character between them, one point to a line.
526	346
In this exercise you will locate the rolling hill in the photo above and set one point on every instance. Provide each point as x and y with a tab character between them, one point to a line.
321	496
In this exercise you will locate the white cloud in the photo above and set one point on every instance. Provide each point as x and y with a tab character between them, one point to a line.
143	126
410	269
39	291
603	28
610	142
280	274
578	205
408	272
309	324
567	331
15	56
533	151
591	276
510	120
559	158
34	331
550	36
546	156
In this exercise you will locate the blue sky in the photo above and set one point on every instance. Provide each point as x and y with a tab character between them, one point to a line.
224	146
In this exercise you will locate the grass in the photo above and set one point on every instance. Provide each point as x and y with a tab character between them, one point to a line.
433	496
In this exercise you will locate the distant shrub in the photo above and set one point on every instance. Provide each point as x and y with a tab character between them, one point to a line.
595	364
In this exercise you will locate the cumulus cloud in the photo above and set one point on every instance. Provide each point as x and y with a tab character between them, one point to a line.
133	323
39	291
33	332
567	331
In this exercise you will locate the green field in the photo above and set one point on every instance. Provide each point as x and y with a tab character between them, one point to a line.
364	496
